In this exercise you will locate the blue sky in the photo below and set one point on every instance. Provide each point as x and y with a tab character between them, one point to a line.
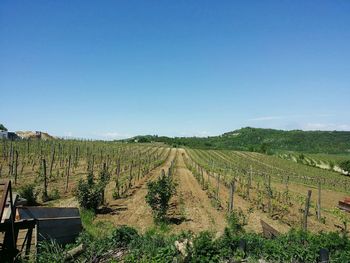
113	69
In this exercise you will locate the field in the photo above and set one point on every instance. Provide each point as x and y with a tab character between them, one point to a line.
264	187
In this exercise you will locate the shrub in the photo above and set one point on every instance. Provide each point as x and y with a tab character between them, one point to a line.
50	251
159	194
205	248
54	195
28	192
88	193
236	220
345	165
122	236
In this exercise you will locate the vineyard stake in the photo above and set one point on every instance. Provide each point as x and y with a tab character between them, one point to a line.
232	189
306	211
319	202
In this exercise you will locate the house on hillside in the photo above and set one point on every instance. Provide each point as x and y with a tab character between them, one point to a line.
8	135
3	134
38	134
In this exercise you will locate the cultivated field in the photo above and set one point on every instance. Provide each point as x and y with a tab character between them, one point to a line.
265	187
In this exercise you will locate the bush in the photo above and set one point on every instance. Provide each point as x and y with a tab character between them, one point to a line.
50	251
28	192
345	165
205	249
122	236
88	193
158	196
236	220
54	195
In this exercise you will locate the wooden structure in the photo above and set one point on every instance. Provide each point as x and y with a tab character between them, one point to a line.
268	231
10	227
21	228
345	204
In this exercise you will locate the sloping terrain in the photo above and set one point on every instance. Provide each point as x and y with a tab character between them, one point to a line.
264	140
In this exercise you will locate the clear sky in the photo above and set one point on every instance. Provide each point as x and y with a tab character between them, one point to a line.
113	69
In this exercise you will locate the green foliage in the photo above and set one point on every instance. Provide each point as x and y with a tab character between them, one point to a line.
205	249
100	229
256	139
122	236
28	192
2	127
236	220
88	193
54	195
158	196
50	251
154	246
345	165
103	177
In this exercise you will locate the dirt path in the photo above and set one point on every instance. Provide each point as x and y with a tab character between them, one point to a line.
194	210
133	210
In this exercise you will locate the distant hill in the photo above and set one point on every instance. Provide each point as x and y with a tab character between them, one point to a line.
34	135
264	140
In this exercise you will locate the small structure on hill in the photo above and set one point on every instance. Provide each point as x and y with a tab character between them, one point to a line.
8	135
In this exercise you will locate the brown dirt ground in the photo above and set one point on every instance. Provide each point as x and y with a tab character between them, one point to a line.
194	210
190	208
132	210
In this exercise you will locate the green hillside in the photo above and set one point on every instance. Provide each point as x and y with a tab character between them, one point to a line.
264	140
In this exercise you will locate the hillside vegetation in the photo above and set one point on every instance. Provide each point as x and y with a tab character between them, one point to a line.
264	140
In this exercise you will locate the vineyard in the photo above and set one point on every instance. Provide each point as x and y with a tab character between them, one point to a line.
55	167
275	187
210	185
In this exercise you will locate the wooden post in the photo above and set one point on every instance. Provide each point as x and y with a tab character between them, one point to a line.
76	157
139	171
232	190
93	163
10	160
306	211
269	195
130	175
218	187
319	202
45	196
67	177
117	185
16	166
249	181
52	160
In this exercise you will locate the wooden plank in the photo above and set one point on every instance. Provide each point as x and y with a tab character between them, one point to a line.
22	224
47	212
269	231
344	206
4	198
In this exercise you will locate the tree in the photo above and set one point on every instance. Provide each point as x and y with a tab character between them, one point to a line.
159	194
2	127
263	147
345	165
